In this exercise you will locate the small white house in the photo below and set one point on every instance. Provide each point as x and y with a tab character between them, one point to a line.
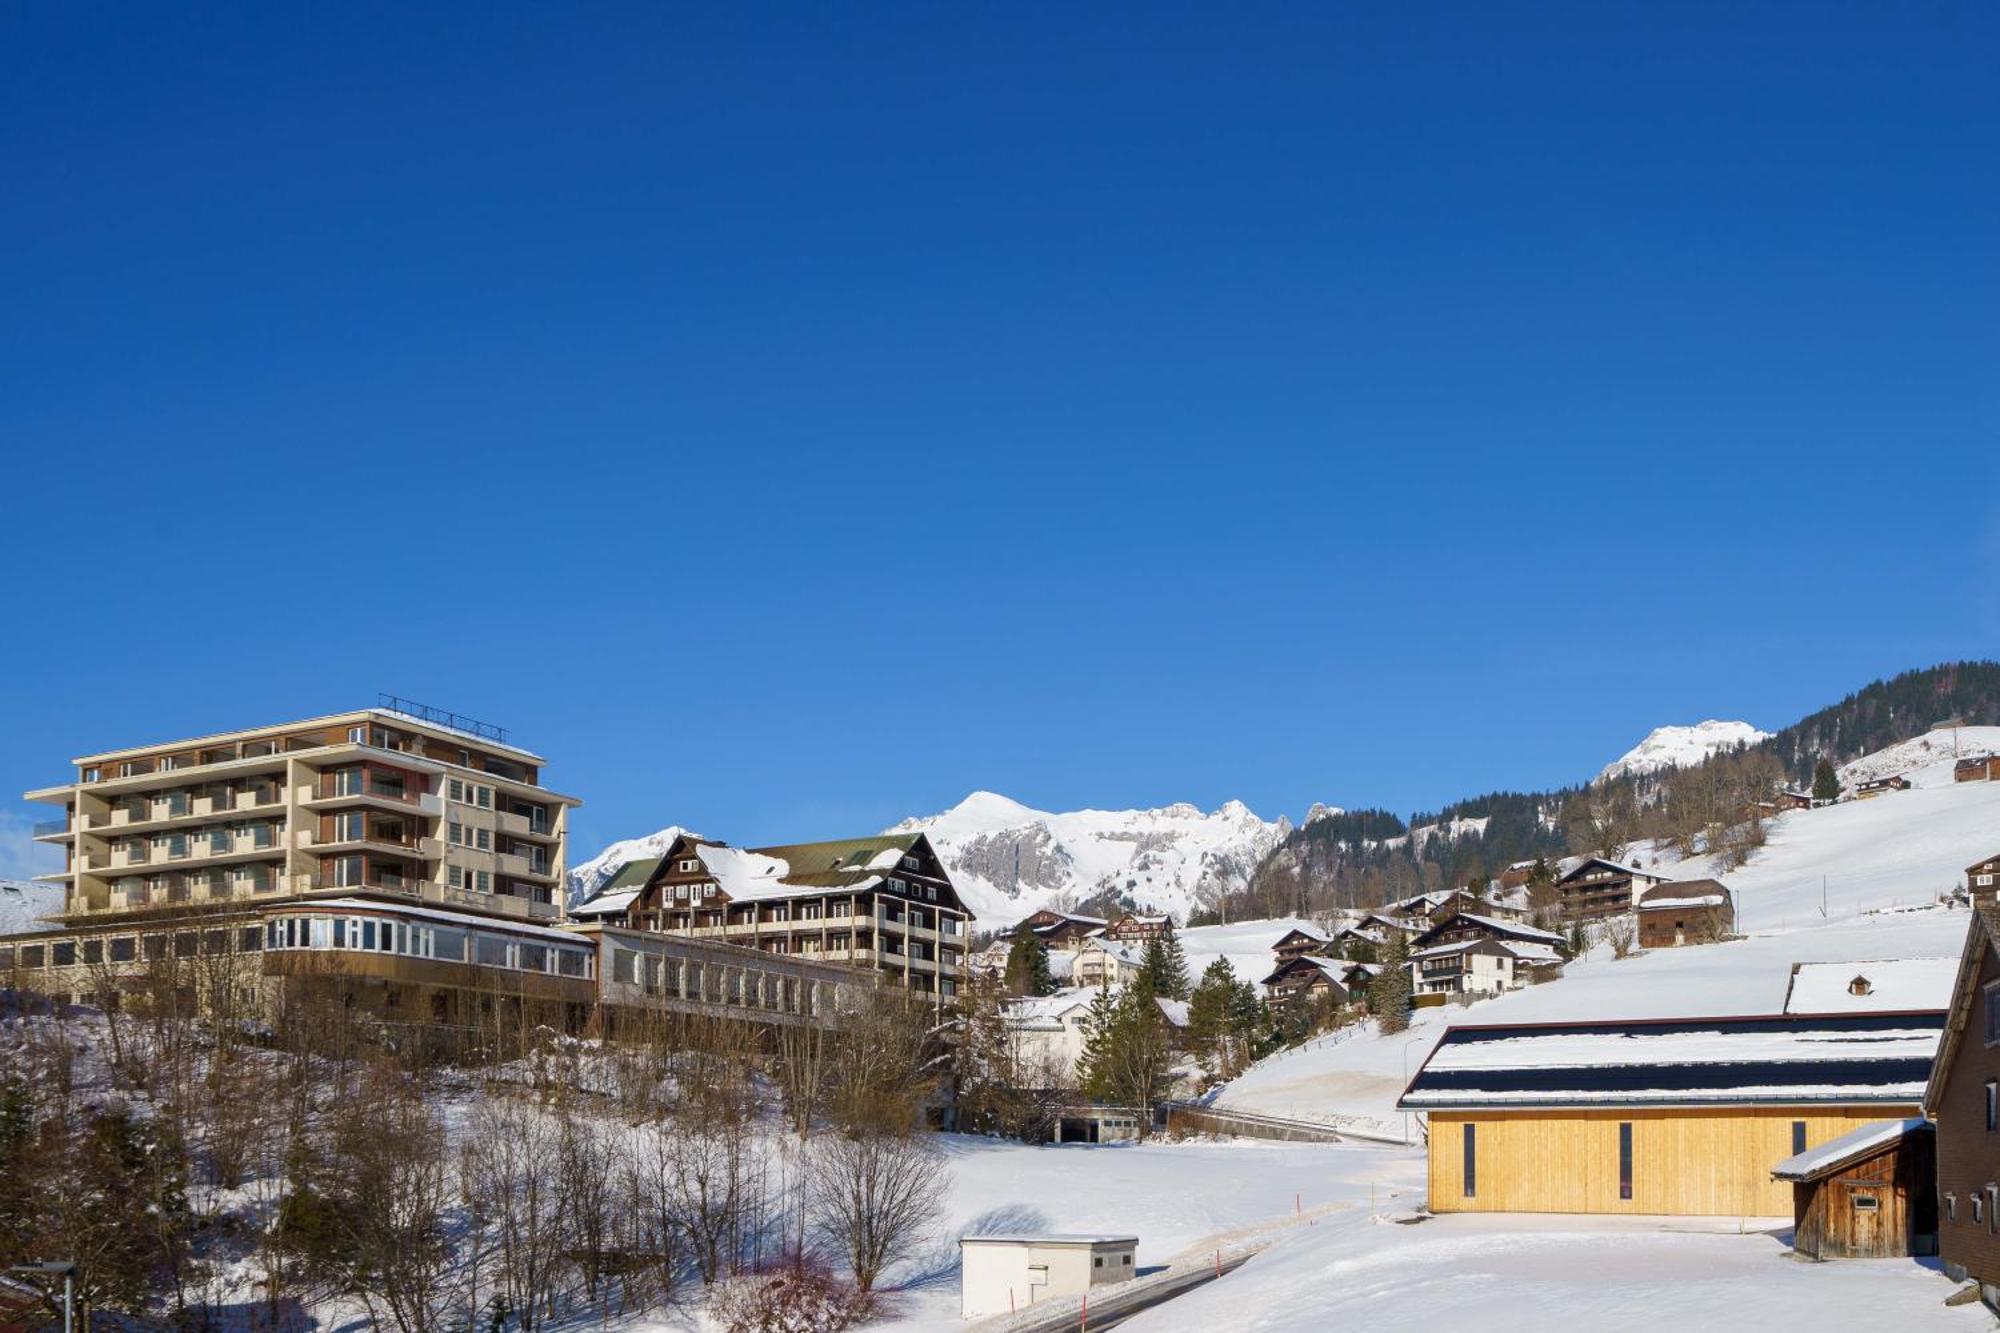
999	1274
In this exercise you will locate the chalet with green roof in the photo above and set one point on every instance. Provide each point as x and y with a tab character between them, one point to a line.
884	902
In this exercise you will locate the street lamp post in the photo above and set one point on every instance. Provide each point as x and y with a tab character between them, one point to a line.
67	1272
1406	1085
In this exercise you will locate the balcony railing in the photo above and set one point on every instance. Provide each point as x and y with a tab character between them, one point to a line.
49	828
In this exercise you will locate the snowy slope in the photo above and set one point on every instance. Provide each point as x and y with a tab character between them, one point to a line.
1874	864
1009	860
1676	747
1925	760
595	873
23	903
1246	944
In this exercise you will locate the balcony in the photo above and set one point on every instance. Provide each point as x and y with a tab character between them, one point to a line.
523	867
47	830
428	891
523	826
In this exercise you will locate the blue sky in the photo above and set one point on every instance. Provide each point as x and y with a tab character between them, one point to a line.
790	418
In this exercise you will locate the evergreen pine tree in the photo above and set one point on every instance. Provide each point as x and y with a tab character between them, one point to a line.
1389	992
1826	783
1028	965
1212	1018
1172	980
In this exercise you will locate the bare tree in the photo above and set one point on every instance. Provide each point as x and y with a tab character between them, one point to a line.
511	1161
1621	932
873	1195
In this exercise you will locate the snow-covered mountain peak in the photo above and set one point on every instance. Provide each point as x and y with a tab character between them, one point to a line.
1319	812
1677	747
594	874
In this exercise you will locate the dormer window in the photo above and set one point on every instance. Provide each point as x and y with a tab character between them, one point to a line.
1860	986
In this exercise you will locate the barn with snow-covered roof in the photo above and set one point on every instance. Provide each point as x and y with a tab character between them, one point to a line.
1657	1116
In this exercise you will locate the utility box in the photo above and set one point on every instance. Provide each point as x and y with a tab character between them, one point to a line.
1002	1273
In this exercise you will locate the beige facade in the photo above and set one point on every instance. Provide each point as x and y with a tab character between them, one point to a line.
374	802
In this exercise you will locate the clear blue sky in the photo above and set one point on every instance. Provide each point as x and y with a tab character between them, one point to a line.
792	418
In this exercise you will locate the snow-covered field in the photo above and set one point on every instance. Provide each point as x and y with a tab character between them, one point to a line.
1596	1274
1246	944
1176	1197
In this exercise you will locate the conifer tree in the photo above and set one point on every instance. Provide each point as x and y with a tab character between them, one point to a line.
1171	977
1389	992
1826	783
1028	965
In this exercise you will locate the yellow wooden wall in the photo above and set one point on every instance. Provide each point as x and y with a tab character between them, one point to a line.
1707	1162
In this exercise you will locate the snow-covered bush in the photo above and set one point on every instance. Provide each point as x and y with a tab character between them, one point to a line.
804	1298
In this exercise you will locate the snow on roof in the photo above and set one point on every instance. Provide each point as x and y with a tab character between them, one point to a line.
1175	1011
1514	928
604	904
1874	986
1667	904
1849	1147
1531	953
1783	1059
1618	866
1062	965
1117	949
1049	1008
1054	1238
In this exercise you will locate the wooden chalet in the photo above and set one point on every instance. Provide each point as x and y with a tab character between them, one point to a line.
1311	977
1598	888
1963	1100
1687	911
1682	1116
1139	927
1471	926
1869	1194
884	902
1977	768
1299	942
1880	786
1790	798
1982	879
1063	930
1517	875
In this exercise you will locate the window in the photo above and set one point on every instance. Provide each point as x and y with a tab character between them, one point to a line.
1798	1137
484	838
1992	1106
1951	1207
457	790
1984	880
1625	1159
1127	1261
1864	1203
1978	1209
357	735
455	876
1993	1207
485	881
1992	994
1471	1165
90	775
1097	1261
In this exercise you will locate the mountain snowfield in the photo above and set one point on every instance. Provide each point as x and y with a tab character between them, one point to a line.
595	873
1847	882
1678	747
1009	860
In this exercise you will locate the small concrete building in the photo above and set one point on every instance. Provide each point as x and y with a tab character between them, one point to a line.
999	1274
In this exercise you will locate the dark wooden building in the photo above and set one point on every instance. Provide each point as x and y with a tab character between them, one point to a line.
1691	911
1598	888
1063	930
1138	927
1982	879
1310	976
1879	786
1977	768
1868	1194
1298	943
1963	1100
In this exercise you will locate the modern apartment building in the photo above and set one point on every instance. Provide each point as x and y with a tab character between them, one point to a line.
377	803
884	903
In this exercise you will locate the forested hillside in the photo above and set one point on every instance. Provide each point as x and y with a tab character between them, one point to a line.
1365	857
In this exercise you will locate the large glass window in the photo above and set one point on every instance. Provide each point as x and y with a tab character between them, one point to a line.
448	944
489	951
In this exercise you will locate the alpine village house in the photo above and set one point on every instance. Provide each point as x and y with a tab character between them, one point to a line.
884	903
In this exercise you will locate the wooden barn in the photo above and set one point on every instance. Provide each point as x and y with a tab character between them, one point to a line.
1683	1116
1977	768
1691	911
1869	1194
1982	879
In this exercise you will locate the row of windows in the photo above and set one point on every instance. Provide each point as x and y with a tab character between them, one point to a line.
461	878
439	943
131	948
715	983
470	793
1469	1148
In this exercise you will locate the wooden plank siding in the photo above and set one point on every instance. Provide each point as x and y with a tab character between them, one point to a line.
1706	1162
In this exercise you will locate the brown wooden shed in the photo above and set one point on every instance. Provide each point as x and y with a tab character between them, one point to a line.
1869	1194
